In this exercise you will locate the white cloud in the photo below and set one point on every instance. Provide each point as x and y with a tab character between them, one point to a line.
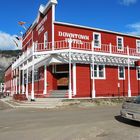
128	2
134	28
7	41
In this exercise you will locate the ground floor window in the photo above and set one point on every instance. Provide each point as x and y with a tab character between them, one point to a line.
99	71
60	68
138	73
121	72
36	75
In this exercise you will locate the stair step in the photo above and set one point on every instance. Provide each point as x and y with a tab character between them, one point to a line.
58	93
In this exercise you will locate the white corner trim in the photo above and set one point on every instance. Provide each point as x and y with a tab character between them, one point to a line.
74	79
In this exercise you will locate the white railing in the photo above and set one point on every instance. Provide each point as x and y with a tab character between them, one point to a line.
86	46
23	57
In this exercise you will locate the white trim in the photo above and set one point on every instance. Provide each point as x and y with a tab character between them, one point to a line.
74	79
27	74
16	80
119	73
32	92
53	19
19	81
23	88
45	39
99	34
120	37
97	29
93	95
70	89
104	71
45	80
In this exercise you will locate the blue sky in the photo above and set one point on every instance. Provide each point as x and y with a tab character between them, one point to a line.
116	15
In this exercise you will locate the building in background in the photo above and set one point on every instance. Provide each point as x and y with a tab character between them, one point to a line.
67	60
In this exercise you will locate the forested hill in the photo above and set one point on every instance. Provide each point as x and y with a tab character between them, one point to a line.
6	58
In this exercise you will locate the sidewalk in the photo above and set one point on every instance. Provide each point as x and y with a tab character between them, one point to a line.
38	103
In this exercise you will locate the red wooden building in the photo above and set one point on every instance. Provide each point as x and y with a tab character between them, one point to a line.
68	60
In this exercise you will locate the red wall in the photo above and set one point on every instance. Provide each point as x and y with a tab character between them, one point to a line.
83	83
47	27
7	78
106	37
32	35
107	87
27	41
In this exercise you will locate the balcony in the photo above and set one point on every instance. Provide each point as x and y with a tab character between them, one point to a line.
107	49
23	57
77	48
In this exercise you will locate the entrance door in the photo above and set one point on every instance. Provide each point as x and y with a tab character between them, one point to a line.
62	76
62	81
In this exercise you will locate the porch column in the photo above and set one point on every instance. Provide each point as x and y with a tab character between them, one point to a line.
32	92
74	79
45	80
23	88
93	79
70	91
19	82
12	87
12	84
129	83
27	81
16	80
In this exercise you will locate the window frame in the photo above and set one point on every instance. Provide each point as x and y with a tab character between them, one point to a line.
97	71
46	38
137	68
56	71
36	75
120	37
138	50
99	45
119	73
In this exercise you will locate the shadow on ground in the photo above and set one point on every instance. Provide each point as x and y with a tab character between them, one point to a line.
127	121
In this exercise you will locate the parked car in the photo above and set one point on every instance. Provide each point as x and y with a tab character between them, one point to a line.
131	109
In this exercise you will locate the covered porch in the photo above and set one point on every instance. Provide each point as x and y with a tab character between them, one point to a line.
66	53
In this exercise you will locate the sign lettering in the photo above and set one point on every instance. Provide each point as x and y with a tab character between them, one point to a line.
76	38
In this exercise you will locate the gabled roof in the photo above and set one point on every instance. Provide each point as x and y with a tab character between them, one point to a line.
43	9
97	29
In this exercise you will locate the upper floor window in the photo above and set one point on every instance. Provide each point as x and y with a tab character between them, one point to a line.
99	71
138	45
121	72
97	40
120	43
45	39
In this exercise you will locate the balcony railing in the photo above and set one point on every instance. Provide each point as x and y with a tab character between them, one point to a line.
23	56
85	46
